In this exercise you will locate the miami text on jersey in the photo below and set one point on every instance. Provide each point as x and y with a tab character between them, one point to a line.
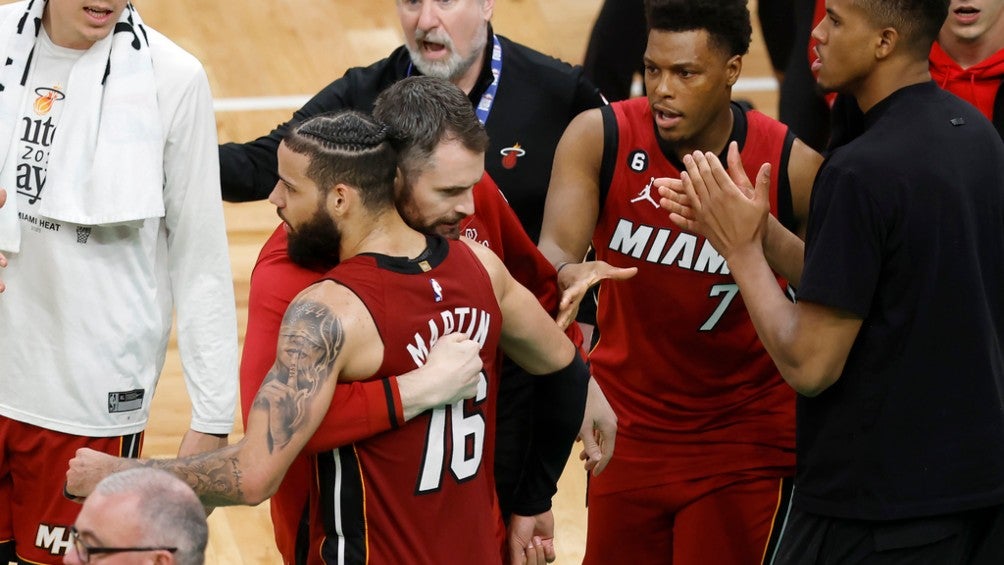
665	247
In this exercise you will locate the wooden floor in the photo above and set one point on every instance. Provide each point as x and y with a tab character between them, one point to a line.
258	51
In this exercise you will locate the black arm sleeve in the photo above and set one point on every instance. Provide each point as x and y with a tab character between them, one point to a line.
248	171
558	406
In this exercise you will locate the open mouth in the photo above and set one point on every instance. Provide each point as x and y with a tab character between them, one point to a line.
817	63
433	46
966	14
434	49
100	15
666	118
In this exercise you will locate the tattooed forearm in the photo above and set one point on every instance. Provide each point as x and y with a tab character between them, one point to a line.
310	340
214	476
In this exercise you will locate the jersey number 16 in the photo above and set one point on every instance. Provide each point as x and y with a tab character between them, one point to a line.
467	434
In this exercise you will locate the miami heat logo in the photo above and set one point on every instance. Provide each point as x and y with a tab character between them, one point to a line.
46	96
510	154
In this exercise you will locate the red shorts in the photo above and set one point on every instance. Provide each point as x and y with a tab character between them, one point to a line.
35	517
722	520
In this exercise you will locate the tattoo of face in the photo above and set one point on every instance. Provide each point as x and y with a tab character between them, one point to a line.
310	340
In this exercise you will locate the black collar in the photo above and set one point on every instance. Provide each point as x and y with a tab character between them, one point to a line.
436	250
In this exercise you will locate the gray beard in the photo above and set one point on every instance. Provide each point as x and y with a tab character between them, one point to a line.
454	67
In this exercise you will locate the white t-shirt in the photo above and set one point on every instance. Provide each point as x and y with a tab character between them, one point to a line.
87	313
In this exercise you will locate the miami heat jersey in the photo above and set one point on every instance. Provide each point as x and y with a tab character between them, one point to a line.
360	408
694	390
421	493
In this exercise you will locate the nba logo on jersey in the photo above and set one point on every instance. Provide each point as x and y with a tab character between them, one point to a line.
437	290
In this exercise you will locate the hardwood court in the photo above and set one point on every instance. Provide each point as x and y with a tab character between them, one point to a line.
263	57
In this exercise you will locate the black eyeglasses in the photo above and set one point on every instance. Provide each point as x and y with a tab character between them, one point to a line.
85	551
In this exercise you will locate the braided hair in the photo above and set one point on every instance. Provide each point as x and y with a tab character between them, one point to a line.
351	148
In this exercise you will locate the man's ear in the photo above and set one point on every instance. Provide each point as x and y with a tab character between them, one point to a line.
733	68
398	182
339	198
488	9
886	43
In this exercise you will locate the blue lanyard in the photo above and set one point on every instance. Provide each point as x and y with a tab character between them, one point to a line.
484	106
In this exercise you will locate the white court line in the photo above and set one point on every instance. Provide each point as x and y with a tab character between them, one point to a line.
753	84
260	103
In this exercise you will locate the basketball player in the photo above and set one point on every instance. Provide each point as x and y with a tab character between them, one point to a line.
524	98
706	425
428	487
427	111
895	342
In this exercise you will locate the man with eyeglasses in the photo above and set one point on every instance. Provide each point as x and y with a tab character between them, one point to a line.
144	515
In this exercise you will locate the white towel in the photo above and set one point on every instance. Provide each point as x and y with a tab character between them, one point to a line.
106	161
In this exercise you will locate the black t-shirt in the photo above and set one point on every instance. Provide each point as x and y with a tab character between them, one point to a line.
906	231
536	98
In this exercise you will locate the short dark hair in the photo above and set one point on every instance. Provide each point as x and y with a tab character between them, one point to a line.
348	147
917	21
726	21
424	111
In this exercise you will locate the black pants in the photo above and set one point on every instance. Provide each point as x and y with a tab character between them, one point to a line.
975	537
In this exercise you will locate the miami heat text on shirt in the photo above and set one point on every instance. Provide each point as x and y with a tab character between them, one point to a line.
40	223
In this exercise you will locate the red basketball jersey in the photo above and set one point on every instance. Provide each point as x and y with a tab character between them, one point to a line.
694	390
422	493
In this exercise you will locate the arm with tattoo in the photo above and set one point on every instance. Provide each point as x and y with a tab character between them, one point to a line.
289	407
293	401
310	341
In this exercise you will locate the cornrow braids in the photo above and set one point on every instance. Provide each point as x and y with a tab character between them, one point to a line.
352	148
338	134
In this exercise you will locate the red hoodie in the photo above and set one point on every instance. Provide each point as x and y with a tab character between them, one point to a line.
979	84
